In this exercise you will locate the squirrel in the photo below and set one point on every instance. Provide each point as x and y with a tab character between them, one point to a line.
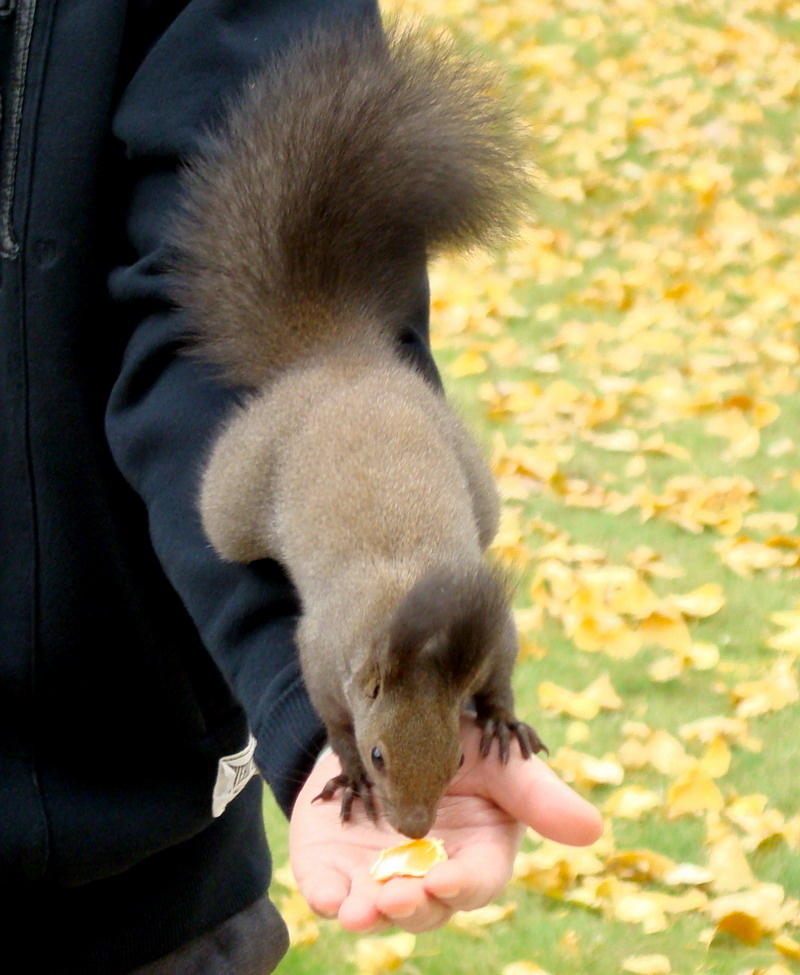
357	155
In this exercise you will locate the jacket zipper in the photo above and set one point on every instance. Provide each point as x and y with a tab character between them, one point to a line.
12	120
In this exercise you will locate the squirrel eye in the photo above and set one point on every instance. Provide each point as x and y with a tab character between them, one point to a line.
377	758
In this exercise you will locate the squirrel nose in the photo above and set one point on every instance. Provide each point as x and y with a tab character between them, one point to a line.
415	822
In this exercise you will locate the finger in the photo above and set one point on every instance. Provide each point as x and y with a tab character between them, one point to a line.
406	902
325	896
531	792
359	911
473	877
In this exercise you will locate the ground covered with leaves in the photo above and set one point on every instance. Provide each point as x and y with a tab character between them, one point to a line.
632	364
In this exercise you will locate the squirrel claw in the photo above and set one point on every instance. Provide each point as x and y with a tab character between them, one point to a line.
353	788
503	730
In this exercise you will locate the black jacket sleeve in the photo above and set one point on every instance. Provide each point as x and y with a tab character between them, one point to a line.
165	407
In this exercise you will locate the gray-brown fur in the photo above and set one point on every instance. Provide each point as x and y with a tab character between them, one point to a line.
348	161
303	231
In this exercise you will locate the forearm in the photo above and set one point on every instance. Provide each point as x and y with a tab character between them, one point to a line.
165	407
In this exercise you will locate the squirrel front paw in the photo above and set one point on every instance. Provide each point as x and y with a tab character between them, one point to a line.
355	787
503	726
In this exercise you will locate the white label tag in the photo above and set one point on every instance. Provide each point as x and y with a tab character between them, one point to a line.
233	774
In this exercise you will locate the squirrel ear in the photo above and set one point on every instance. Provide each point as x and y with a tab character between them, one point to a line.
368	677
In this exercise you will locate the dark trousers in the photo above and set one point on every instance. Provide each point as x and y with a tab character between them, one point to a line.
249	943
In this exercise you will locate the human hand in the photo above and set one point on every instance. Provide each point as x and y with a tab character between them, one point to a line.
481	821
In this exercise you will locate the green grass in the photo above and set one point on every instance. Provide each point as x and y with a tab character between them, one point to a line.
735	304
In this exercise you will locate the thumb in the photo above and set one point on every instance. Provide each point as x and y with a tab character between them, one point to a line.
532	793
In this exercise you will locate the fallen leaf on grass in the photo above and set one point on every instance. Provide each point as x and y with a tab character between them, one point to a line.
631	802
700	603
743	926
475	922
775	690
640	866
553	868
641	908
377	956
698	656
750	915
584	705
647	965
586	770
692	793
726	859
762	824
789	640
665	628
689	874
716	760
734	730
772	521
299	919
658	749
788	947
523	968
648	562
772	970
469	363
745	556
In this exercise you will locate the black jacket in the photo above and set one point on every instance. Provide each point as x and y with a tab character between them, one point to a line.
131	658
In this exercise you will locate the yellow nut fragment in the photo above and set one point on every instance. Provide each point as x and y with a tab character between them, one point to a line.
412	859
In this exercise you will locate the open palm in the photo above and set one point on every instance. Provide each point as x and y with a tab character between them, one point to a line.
481	821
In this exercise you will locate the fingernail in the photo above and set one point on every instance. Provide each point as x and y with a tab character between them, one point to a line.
403	912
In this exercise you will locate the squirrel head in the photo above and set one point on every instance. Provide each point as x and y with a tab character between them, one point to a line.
414	686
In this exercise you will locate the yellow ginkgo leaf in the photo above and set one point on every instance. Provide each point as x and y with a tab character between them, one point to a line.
666	754
734	730
775	690
693	792
641	908
788	641
688	873
743	926
469	363
631	802
744	556
299	919
664	629
702	602
640	866
587	770
788	947
772	521
751	914
563	701
523	968
412	859
474	922
727	861
666	669
647	965
716	760
378	956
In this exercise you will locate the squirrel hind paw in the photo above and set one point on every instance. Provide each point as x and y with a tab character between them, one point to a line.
504	729
353	788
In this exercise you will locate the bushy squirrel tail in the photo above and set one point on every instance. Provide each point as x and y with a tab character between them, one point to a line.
354	158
